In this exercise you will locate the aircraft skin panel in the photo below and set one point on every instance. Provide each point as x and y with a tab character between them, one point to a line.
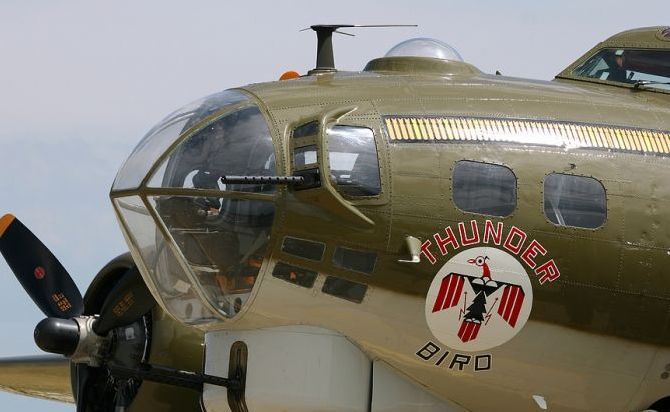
520	368
46	377
588	329
574	316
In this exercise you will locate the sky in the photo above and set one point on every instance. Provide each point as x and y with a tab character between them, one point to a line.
82	81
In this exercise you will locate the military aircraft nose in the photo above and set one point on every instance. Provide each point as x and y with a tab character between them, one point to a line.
201	238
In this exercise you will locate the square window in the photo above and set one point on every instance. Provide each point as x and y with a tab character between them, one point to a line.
344	289
302	248
484	188
293	274
356	260
354	166
576	201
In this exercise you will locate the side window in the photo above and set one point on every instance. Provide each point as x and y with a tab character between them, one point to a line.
304	156
354	166
356	260
576	201
345	289
305	249
293	274
307	129
484	188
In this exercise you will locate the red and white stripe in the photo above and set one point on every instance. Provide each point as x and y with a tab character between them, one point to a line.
511	303
450	292
468	330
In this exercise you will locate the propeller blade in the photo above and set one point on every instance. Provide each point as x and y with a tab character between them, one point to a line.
40	273
129	300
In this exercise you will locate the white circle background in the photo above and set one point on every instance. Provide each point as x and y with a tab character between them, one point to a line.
505	268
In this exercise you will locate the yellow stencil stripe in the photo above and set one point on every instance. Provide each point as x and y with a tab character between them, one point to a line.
594	136
507	132
598	131
578	132
633	141
490	129
562	131
474	130
390	128
647	141
398	131
453	129
589	137
403	126
571	135
619	138
480	133
432	129
654	146
410	129
640	138
643	143
611	138
460	130
639	141
443	130
634	145
662	141
435	129
416	132
651	140
424	131
602	132
630	145
475	134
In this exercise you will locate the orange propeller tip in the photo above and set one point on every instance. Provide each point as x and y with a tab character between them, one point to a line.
5	221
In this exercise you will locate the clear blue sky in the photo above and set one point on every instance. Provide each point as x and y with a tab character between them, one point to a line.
81	81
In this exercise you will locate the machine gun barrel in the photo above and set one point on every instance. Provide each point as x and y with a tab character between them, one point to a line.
264	180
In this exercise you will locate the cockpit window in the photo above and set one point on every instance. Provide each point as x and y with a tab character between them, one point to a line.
237	144
647	68
161	136
354	166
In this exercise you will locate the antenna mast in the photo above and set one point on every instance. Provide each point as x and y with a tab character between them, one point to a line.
325	60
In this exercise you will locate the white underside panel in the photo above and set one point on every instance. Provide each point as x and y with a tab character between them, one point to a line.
393	392
297	368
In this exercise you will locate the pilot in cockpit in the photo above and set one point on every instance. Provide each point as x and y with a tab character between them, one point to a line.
617	70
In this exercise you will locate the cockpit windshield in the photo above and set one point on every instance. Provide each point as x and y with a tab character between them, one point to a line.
640	68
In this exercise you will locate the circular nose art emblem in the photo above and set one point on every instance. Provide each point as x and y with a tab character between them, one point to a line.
479	299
